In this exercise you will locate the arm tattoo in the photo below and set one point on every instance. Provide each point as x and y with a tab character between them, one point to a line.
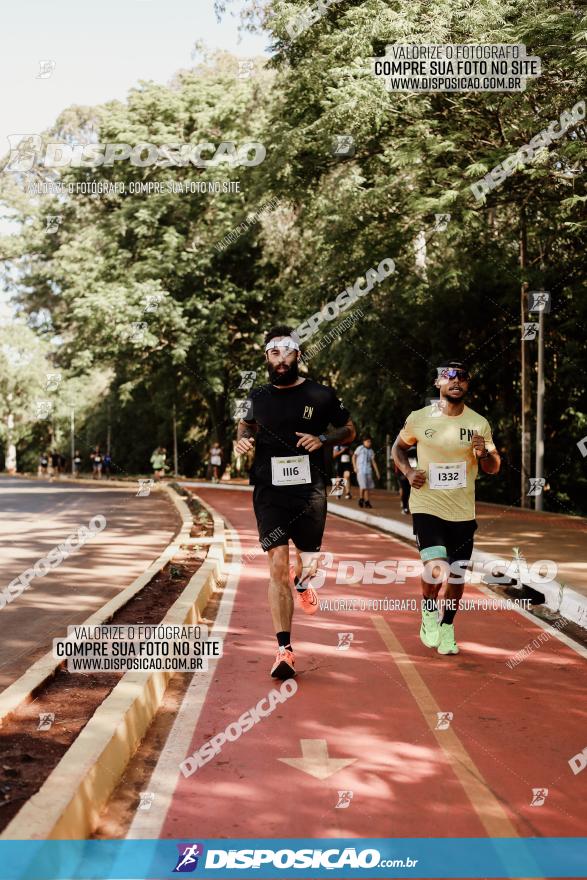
341	435
245	430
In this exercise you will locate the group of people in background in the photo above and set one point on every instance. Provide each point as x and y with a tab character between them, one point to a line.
361	461
52	464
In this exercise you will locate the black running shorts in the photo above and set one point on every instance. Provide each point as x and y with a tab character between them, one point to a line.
299	515
442	539
339	467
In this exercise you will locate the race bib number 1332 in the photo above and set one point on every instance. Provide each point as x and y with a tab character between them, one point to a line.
452	475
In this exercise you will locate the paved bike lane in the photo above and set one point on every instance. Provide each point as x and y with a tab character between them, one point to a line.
429	746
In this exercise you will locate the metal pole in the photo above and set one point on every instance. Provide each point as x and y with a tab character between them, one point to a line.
175	471
72	431
539	469
108	432
524	372
388	462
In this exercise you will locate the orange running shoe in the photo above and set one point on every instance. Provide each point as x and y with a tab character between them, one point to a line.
285	664
308	600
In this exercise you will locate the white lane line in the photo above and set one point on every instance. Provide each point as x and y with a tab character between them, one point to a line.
163	781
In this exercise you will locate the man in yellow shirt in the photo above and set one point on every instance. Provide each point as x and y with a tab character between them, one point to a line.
451	441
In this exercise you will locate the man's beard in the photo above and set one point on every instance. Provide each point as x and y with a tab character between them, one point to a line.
456	398
286	377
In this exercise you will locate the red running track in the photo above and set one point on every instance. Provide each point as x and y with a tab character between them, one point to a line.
375	707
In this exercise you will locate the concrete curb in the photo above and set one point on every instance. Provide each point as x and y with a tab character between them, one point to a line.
21	690
68	805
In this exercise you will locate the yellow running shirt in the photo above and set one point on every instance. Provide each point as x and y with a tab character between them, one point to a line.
445	453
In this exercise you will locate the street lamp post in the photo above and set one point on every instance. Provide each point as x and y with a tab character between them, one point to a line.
175	463
539	301
72	435
540	410
72	439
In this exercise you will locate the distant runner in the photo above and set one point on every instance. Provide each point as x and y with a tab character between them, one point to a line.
341	457
286	423
364	464
451	441
158	462
43	464
216	461
96	459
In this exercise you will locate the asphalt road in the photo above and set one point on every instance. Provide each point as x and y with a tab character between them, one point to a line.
38	515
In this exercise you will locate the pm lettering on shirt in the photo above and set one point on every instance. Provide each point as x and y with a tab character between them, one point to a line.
467	434
308	410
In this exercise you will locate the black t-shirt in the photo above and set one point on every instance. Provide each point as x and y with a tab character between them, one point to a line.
279	412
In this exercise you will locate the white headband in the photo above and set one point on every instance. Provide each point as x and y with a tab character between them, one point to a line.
285	342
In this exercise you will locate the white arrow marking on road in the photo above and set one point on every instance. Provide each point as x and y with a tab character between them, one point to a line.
315	760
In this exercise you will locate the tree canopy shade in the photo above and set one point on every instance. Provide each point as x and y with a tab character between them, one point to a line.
169	293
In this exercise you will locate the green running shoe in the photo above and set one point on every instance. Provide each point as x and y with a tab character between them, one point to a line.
447	639
430	630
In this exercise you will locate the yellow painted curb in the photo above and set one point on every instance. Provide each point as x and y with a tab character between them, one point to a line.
21	690
69	803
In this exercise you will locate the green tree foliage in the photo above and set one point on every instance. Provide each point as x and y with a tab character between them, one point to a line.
415	156
144	284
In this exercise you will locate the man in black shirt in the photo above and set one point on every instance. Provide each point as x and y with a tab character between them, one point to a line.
286	423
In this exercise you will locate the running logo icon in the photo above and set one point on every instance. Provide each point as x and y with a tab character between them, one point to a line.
147	798
530	331
145	487
337	487
343	145
539	301
441	222
344	642
537	484
344	800
52	222
539	795
46	720
247	379
187	861
444	719
24	149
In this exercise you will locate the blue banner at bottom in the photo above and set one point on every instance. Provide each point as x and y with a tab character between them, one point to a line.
534	857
